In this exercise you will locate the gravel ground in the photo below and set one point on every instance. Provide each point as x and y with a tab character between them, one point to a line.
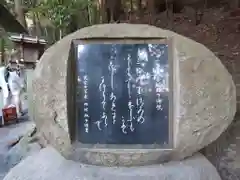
9	134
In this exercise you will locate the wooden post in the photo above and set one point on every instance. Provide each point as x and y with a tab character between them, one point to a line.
21	49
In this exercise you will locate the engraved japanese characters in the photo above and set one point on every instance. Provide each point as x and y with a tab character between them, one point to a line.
123	93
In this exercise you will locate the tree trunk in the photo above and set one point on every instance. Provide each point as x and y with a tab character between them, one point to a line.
113	9
139	6
20	15
102	10
37	29
131	6
73	25
2	52
89	13
151	11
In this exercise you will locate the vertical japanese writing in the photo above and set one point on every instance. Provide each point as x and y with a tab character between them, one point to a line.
129	85
122	94
140	105
112	69
130	107
85	108
141	80
160	84
123	126
103	118
129	76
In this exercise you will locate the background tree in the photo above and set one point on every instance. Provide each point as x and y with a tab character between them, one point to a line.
54	19
19	12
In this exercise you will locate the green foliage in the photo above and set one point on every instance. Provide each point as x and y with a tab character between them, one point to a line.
65	16
60	12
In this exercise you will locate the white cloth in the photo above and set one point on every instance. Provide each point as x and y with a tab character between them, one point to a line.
16	84
3	84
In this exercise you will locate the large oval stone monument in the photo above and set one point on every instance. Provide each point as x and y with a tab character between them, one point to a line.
122	94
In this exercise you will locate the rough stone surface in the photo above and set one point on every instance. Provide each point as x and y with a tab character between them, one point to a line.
50	165
20	151
26	145
9	136
205	98
224	153
18	131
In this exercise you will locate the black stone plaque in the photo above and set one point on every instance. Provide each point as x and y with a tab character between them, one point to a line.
123	93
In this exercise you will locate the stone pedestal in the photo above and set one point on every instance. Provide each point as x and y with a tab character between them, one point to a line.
50	165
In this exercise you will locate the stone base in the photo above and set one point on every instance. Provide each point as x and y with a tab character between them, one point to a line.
224	153
48	164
